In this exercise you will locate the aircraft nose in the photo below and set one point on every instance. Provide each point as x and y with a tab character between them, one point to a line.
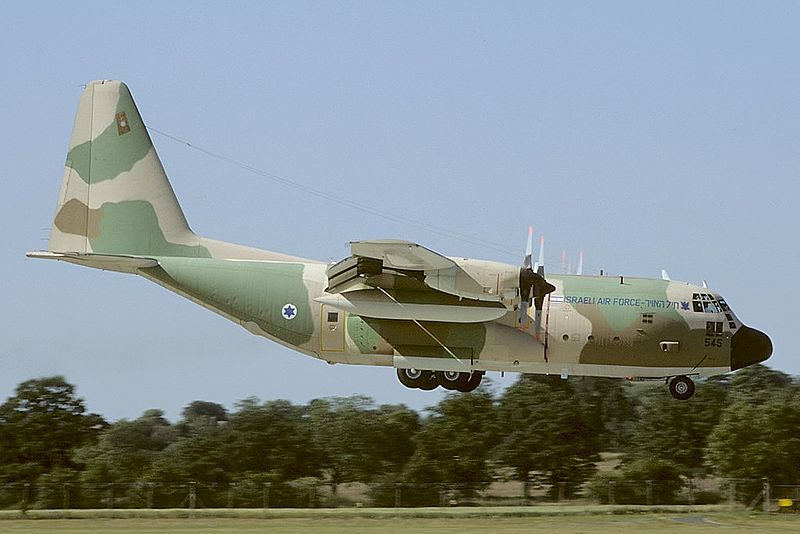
749	346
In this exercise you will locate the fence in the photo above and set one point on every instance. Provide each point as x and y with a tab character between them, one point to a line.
313	493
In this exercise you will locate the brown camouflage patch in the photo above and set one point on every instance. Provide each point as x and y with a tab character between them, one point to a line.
75	217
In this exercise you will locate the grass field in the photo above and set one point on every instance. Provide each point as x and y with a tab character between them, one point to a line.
416	521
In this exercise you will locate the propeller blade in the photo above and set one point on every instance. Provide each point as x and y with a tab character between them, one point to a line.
579	271
528	248
540	261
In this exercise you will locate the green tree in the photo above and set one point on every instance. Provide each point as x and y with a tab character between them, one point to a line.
609	409
126	449
677	431
758	440
342	430
643	481
202	413
390	443
273	437
40	426
454	443
757	383
548	432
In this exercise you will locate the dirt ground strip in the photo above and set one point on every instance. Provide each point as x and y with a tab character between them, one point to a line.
391	521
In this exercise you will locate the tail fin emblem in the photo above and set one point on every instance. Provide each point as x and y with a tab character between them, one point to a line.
123	126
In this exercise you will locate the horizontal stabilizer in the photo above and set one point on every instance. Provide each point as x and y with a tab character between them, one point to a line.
107	262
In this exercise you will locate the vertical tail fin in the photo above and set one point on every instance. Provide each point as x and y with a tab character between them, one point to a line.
115	196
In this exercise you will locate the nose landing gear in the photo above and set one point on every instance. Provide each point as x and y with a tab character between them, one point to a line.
681	387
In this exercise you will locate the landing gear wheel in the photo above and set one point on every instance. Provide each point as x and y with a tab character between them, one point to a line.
681	387
417	379
469	381
409	377
428	381
448	379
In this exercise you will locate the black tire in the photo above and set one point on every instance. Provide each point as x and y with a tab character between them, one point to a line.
449	379
428	381
681	387
471	382
417	379
409	377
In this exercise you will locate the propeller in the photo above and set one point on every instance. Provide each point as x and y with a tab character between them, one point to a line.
533	287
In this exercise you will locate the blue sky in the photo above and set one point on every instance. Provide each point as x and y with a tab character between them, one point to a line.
649	135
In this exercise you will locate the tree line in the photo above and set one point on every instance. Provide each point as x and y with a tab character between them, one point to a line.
541	431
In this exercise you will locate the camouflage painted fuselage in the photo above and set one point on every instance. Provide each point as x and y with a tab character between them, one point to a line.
117	211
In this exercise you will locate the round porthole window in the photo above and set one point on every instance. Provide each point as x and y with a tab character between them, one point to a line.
565	337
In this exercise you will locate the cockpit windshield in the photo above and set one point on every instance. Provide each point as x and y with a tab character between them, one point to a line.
707	303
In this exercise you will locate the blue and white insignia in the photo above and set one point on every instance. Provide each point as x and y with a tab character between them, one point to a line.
289	311
556	298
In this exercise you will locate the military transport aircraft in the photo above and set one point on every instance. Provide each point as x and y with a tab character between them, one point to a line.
439	321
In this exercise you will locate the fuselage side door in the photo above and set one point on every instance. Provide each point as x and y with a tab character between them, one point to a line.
332	329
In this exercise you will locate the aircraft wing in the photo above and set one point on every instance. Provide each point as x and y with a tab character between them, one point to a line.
401	280
403	255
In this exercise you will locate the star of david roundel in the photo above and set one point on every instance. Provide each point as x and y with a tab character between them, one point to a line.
289	311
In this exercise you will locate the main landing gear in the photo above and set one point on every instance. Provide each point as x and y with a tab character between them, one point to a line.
428	380
681	387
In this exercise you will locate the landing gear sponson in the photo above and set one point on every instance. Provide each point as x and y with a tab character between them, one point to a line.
428	380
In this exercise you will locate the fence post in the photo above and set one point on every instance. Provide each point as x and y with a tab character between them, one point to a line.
649	492
767	498
562	487
150	486
611	485
311	494
231	489
691	492
26	495
110	495
65	504
192	495
732	494
397	486
267	485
